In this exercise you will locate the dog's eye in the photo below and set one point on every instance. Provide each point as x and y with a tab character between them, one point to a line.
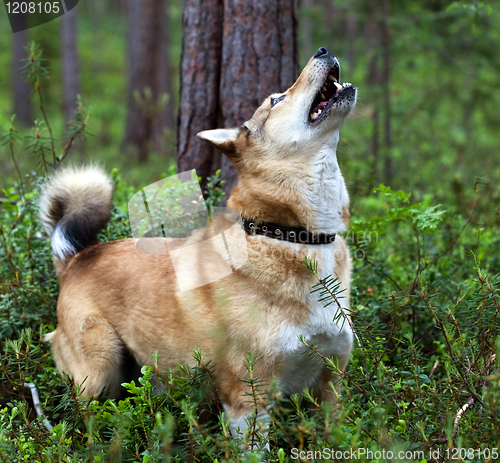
276	100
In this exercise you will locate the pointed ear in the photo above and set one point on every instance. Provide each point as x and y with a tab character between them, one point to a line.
222	139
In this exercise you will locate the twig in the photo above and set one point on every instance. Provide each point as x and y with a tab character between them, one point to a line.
29	290
39	91
38	408
64	151
460	413
11	145
436	363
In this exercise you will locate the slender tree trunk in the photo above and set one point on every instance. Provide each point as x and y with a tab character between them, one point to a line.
21	89
386	59
200	78
71	76
374	81
259	56
96	10
165	117
145	51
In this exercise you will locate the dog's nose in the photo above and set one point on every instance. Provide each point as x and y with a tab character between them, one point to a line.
321	52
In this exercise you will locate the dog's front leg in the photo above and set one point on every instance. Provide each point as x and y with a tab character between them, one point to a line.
250	429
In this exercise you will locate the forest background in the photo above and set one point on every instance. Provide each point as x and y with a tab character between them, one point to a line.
420	158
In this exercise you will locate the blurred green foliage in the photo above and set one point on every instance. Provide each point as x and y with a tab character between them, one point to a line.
425	308
424	373
102	52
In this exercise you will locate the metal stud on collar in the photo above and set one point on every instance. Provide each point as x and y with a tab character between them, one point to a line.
294	235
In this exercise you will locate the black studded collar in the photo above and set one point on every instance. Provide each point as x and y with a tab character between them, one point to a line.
293	235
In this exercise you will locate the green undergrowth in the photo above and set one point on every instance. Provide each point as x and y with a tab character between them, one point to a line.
423	375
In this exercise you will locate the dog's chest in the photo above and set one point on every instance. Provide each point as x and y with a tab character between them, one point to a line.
300	367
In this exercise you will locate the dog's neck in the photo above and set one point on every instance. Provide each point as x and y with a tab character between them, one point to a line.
308	192
329	195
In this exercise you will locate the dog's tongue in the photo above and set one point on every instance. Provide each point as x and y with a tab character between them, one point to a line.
322	105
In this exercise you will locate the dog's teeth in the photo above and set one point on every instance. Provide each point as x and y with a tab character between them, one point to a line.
323	96
319	111
339	87
330	77
314	116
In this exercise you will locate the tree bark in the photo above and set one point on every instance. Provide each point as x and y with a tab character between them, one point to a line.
146	53
71	75
235	53
259	56
200	78
21	89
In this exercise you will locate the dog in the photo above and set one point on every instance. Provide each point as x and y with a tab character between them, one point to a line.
117	303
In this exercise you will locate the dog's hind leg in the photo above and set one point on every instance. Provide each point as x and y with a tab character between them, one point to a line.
91	353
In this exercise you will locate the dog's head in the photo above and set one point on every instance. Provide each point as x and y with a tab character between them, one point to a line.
304	116
276	152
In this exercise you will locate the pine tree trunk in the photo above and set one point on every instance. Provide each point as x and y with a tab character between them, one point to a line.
21	89
71	76
227	71
200	78
146	54
259	56
164	120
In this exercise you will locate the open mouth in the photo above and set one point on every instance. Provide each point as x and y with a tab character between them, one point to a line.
328	95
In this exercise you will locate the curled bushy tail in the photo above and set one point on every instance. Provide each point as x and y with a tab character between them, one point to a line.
74	206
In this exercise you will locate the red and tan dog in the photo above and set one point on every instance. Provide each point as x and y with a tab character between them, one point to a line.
117	302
